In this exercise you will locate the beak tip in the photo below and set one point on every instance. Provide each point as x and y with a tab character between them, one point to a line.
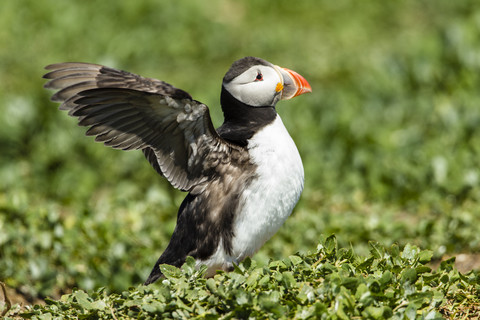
307	88
301	84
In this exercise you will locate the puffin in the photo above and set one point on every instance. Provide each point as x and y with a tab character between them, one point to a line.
242	179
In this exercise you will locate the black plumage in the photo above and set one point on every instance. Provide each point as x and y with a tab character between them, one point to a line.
241	120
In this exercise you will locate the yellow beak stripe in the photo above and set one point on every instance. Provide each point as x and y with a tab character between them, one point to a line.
279	87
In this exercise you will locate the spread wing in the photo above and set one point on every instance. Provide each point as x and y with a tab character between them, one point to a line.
127	111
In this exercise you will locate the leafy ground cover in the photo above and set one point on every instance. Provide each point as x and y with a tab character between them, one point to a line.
389	138
330	283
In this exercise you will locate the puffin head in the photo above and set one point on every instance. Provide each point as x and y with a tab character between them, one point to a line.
258	83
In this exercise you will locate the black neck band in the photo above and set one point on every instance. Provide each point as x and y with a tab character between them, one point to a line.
241	120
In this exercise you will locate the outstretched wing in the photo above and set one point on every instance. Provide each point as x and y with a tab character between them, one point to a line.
127	111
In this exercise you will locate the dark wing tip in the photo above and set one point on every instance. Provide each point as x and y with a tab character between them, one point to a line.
52	66
49	75
60	65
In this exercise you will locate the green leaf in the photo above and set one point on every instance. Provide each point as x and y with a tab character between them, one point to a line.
445	279
420	298
434	315
425	256
252	279
410	252
386	278
170	272
307	293
374	286
248	263
98	305
237	279
153	307
288	280
296	260
376	250
277	265
241	297
270	303
374	312
189	267
320	309
264	280
409	275
361	290
83	299
394	251
350	282
422	269
366	264
448	264
411	312
211	285
330	244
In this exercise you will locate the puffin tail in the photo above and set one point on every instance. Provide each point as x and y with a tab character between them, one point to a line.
154	275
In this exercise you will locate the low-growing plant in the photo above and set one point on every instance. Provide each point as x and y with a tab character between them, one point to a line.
330	283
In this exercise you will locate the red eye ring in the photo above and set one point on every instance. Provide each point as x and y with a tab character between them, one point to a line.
259	77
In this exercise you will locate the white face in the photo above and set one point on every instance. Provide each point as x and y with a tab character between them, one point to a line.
259	86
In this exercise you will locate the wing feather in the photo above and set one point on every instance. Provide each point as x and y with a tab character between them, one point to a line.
130	112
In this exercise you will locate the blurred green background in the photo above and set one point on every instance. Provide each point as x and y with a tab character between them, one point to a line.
389	137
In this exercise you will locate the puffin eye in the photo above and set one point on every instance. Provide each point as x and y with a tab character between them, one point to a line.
259	77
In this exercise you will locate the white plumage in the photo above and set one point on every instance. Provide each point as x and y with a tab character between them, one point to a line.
269	200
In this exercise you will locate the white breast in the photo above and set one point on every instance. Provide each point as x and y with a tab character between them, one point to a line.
270	199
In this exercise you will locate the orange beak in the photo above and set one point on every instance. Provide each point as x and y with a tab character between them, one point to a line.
293	84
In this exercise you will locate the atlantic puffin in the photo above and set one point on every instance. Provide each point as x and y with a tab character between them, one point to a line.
243	179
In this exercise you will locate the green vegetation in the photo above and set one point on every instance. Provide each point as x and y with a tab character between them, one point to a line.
330	283
389	138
